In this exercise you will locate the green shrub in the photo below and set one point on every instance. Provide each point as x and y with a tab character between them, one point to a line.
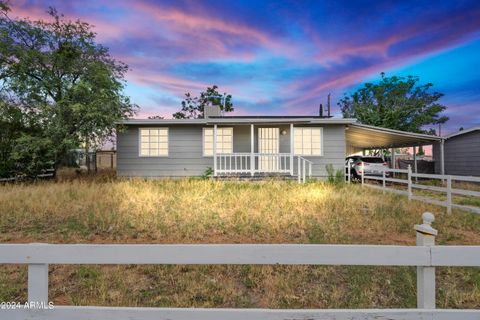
207	173
334	177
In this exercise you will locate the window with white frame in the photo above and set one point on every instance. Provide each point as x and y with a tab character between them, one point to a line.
308	141
224	141
153	142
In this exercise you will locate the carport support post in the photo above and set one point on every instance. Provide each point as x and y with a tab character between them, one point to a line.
392	157
426	275
442	157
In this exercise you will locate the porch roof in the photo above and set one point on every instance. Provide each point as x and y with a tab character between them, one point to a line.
361	136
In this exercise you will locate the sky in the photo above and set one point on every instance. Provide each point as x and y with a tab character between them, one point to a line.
284	57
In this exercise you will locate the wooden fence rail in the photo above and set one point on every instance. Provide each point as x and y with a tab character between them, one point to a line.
425	256
411	181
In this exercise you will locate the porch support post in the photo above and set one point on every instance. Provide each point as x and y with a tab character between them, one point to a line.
252	151
291	149
442	157
215	150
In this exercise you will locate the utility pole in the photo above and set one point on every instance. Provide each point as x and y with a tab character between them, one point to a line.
328	105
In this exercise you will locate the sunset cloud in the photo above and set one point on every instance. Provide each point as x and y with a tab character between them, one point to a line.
279	57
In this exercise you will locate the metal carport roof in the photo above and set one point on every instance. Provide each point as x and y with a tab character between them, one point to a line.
361	136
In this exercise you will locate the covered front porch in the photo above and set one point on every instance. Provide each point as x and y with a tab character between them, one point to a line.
257	150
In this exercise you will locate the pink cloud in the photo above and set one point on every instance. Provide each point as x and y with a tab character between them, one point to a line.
205	29
104	29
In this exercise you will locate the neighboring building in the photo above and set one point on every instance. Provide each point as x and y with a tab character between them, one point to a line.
106	159
248	145
462	153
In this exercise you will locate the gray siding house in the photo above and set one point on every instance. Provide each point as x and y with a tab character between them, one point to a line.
295	146
461	152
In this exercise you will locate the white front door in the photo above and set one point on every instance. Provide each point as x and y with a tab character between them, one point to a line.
268	148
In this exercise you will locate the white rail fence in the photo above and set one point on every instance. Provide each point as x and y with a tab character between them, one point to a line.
410	180
425	255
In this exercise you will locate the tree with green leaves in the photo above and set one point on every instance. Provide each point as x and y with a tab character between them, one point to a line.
192	107
399	103
56	70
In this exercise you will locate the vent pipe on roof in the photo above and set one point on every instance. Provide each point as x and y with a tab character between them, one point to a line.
320	110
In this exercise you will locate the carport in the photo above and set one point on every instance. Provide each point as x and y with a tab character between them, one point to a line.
360	137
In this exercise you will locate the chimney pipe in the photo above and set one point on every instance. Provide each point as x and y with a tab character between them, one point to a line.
328	105
320	110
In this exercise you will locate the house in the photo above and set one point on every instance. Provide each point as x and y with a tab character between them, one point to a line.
462	153
293	146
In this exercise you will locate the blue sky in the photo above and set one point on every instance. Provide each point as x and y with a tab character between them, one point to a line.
284	57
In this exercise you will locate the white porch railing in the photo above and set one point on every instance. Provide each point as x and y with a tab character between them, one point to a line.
304	169
256	163
425	255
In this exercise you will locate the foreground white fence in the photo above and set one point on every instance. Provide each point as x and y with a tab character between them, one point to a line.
411	182
425	256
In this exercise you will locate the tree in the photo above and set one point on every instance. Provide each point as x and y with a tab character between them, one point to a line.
56	70
399	103
24	148
192	107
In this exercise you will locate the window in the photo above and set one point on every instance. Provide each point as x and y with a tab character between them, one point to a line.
153	142
308	141
224	141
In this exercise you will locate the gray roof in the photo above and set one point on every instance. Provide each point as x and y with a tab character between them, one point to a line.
241	120
458	133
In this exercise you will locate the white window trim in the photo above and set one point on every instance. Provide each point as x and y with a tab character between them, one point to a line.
203	141
140	142
321	142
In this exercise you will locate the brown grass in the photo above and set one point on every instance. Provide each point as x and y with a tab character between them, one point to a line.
109	210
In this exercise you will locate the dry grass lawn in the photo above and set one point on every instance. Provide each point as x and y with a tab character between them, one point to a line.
109	210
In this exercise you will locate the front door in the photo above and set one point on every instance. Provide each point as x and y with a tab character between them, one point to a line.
268	148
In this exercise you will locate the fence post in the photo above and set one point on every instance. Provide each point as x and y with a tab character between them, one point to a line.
384	184
409	177
298	169
426	275
304	166
38	283
449	194
363	173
